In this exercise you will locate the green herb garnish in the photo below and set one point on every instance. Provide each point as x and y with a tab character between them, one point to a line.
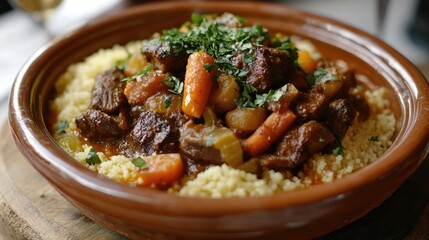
168	101
320	74
287	46
246	99
223	44
141	73
197	19
174	84
140	163
62	126
337	147
92	157
272	95
321	139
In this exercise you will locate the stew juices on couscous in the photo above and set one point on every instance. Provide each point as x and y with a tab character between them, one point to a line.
219	108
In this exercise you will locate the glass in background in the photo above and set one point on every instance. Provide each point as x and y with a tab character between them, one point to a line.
38	10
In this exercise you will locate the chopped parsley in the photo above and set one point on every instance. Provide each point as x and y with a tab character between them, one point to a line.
320	74
223	44
321	139
174	84
272	95
287	46
62	126
140	163
197	19
92	157
168	101
246	99
337	147
141	73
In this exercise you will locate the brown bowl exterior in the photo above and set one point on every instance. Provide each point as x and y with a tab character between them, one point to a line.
147	213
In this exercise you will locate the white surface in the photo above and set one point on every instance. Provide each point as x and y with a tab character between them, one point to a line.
20	37
363	15
26	37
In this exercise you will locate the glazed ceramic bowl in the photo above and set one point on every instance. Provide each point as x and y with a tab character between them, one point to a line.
147	213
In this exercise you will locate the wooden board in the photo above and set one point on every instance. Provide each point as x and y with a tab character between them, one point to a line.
31	209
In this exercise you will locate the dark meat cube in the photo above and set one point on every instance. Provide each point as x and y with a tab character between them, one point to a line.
163	57
340	116
267	70
97	125
310	106
194	147
357	97
154	133
298	145
349	82
107	94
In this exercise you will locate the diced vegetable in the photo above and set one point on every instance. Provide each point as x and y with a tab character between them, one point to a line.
70	142
163	102
251	166
273	127
139	90
244	119
198	83
209	116
162	170
228	145
307	63
136	63
223	97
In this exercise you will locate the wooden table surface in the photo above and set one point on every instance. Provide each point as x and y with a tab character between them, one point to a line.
31	209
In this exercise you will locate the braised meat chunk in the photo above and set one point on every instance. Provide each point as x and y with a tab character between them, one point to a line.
108	92
97	125
163	57
268	68
298	145
154	133
310	106
194	146
340	116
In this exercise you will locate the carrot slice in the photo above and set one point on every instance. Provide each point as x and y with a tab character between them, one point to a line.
198	83
306	61
139	90
270	130
162	170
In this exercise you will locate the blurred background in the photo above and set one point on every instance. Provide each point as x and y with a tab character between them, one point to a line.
26	25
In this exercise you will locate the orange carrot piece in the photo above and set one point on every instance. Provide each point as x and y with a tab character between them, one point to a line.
307	63
163	170
198	83
139	90
270	130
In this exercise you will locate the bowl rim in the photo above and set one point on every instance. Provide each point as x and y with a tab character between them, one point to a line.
26	131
